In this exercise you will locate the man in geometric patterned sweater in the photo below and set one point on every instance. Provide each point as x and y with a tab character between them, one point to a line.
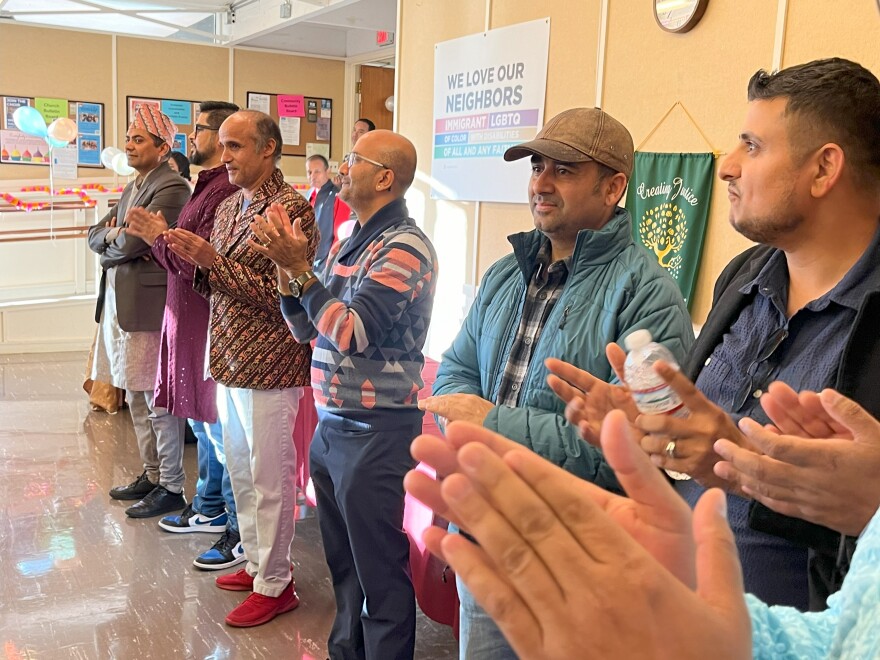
259	368
370	315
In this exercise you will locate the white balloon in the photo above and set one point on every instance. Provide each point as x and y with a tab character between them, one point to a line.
63	129
121	166
107	157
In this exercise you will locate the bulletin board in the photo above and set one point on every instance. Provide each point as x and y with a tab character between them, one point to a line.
181	111
305	121
17	148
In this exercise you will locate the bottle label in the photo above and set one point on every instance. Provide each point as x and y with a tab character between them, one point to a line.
658	400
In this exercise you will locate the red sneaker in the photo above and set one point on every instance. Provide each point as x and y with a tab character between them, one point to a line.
238	581
258	609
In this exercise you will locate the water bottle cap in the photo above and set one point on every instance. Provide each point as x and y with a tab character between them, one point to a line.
637	339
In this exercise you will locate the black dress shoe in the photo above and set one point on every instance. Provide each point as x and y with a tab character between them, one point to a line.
135	490
159	501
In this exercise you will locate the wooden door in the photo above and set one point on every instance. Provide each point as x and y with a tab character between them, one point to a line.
377	84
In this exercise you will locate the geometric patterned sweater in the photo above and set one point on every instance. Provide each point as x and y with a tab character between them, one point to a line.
370	315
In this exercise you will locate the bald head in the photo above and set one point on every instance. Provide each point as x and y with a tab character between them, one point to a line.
394	151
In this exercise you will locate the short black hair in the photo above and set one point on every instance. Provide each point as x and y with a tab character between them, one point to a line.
832	100
319	157
368	122
217	111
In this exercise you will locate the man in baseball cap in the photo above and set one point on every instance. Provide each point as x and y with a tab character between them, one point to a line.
574	284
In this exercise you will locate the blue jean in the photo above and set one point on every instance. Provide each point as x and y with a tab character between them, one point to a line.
213	489
479	637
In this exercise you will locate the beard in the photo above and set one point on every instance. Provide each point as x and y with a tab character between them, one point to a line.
197	157
768	231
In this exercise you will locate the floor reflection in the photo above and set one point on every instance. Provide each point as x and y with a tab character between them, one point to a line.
80	580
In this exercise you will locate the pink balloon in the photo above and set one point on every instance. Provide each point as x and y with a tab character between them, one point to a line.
63	129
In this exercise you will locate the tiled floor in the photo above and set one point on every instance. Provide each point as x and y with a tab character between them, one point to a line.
80	580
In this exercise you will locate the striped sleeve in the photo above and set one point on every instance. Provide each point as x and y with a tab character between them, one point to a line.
401	271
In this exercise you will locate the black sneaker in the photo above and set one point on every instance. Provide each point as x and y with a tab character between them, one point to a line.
159	500
136	490
226	552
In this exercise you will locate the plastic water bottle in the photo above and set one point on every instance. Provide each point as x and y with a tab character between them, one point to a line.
651	394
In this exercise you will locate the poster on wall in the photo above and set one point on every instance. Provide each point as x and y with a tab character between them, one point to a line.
10	105
88	118
135	102
64	160
489	91
23	149
89	147
668	197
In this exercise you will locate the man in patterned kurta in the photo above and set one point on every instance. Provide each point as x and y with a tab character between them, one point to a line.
259	368
370	314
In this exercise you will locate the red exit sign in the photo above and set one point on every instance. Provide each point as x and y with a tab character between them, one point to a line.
384	38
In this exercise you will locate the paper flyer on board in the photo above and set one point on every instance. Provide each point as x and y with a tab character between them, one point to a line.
289	130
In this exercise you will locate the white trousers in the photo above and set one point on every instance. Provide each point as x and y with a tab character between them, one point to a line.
261	459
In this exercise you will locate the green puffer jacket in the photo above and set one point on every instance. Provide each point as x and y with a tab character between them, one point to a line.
614	287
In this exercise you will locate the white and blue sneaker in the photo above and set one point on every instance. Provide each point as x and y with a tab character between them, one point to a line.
226	552
189	521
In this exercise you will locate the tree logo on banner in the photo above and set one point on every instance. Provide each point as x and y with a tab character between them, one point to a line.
663	229
668	198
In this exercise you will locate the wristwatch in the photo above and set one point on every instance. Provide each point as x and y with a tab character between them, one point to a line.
299	282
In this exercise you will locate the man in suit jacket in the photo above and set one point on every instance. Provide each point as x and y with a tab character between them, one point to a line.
131	302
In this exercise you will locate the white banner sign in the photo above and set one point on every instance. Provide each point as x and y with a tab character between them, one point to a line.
489	93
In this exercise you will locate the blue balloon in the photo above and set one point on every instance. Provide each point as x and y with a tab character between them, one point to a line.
29	120
56	143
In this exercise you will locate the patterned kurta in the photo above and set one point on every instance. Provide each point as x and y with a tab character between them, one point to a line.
181	385
250	345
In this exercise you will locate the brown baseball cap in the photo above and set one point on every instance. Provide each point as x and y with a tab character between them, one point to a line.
579	135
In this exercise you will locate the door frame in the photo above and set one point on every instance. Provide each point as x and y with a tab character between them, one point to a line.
352	65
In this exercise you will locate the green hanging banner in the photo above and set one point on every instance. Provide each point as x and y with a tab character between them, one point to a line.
668	198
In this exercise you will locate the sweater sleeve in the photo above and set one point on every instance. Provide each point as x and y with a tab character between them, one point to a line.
784	633
401	271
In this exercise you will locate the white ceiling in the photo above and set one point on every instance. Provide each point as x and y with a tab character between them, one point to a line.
336	28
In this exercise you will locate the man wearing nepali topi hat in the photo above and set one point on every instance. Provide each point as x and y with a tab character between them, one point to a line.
131	302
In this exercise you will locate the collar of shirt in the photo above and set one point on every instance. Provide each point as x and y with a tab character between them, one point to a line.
772	281
544	269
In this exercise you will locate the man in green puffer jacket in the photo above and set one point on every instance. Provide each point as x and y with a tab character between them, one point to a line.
575	283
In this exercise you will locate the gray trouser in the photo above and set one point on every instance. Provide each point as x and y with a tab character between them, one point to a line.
160	440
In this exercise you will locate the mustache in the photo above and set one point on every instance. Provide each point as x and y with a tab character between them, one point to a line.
544	199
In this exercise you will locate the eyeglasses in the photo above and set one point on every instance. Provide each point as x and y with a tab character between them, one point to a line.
352	158
204	127
761	368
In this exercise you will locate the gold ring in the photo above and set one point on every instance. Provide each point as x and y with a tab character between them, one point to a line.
670	449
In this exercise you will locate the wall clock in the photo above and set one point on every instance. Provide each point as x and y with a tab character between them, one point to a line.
679	15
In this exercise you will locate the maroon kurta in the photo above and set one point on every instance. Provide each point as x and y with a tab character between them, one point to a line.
181	385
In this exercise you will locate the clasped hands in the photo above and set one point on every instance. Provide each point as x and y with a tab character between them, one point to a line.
277	239
558	555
